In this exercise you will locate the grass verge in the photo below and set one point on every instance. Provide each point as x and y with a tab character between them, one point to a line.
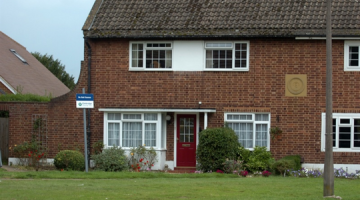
125	185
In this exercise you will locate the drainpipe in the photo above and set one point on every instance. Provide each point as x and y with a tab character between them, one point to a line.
88	110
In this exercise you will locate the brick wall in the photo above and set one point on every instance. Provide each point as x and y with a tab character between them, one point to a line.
5	89
261	89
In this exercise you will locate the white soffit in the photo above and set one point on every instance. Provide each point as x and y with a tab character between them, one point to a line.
324	38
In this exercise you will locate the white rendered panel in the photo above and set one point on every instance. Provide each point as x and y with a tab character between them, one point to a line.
188	55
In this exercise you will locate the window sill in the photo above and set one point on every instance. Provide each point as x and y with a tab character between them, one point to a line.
226	70
344	150
129	148
351	69
152	69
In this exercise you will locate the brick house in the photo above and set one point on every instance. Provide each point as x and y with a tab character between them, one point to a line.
162	71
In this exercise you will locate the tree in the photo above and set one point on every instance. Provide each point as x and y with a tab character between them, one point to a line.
55	67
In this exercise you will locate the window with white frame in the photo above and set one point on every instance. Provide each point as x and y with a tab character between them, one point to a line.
151	55
227	56
132	130
252	129
351	56
345	131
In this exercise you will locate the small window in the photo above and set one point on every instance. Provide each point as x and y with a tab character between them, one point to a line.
114	116
132	116
344	121
18	56
151	56
351	56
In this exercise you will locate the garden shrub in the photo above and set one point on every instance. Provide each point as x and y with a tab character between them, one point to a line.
258	160
296	159
231	166
69	160
142	158
30	153
243	154
282	165
215	146
112	159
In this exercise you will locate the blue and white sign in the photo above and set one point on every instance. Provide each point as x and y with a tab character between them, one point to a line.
84	100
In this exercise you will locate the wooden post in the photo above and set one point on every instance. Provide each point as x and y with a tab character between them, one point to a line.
328	164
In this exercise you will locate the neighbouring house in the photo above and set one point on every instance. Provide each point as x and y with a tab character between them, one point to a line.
162	71
22	72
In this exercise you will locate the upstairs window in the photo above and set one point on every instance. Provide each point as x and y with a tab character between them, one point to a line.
151	55
227	56
351	56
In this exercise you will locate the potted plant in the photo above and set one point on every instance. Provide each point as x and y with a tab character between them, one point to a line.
275	132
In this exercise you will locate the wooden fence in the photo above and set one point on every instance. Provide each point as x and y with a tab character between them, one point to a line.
4	137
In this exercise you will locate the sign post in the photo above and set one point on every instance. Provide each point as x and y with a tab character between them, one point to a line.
85	101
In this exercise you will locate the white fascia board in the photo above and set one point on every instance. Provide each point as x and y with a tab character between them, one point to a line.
7	85
324	38
156	110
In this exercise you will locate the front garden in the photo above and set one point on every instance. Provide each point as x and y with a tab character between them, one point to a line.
225	171
218	151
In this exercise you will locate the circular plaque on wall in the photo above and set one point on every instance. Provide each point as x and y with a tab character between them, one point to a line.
295	86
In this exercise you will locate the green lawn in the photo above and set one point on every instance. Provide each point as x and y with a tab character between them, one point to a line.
101	185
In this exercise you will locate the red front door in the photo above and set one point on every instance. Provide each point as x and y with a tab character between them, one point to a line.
186	140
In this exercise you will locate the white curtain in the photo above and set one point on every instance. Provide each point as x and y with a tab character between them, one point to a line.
132	134
150	134
261	135
246	135
114	134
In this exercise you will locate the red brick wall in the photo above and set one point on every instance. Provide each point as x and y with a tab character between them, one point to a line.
5	89
261	89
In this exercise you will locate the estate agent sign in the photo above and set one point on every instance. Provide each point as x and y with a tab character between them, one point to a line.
84	100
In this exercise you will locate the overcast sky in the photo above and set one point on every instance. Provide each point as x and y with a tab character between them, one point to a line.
50	27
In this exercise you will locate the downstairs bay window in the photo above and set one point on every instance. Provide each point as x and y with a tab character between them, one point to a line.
345	132
128	130
252	129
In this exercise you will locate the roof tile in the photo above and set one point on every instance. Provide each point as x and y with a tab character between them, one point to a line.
141	18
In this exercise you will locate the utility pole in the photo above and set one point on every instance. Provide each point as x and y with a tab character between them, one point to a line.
328	164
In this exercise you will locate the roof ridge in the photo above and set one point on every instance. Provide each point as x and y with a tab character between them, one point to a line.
13	40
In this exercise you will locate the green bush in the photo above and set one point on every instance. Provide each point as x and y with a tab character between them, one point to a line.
112	159
296	159
259	160
215	146
282	165
24	97
69	160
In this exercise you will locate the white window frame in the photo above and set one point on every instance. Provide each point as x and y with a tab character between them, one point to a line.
348	44
232	47
158	123
254	125
338	117
143	68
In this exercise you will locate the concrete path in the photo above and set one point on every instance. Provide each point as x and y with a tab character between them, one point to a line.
11	169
